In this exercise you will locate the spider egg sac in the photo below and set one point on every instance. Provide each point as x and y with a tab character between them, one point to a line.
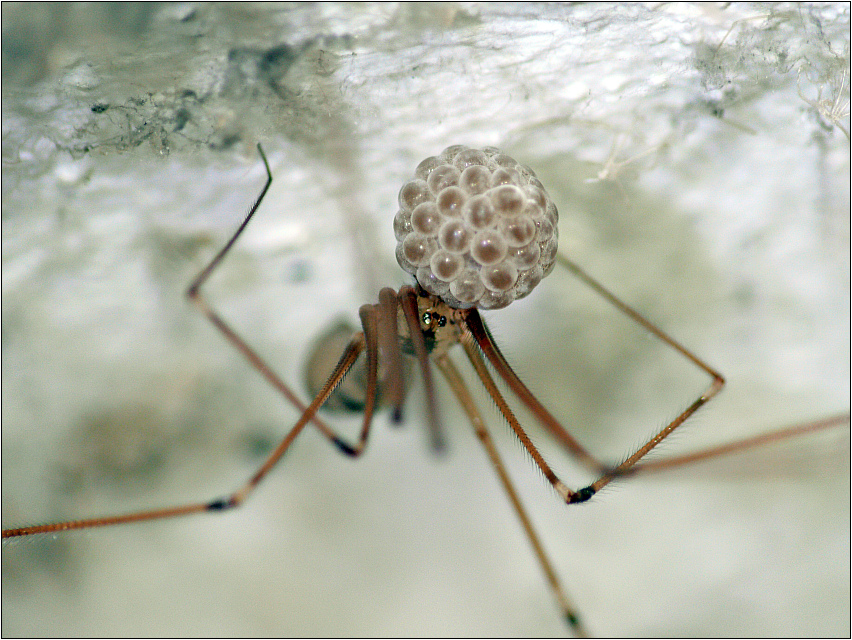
476	228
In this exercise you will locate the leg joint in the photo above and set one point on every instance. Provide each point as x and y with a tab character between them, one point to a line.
583	495
222	504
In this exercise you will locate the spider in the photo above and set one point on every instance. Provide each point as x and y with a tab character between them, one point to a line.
477	230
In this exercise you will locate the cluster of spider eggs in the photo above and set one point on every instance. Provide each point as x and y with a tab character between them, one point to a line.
476	228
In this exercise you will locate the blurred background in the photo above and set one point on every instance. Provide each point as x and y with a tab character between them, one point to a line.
699	157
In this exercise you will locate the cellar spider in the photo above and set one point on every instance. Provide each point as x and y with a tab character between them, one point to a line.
513	216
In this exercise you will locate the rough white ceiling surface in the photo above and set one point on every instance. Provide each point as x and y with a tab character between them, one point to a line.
699	157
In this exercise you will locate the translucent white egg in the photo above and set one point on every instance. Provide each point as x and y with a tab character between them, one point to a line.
475	228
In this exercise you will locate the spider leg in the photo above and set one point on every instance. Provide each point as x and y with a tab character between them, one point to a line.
740	445
469	342
367	338
389	343
349	357
480	333
457	385
408	301
194	294
715	386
